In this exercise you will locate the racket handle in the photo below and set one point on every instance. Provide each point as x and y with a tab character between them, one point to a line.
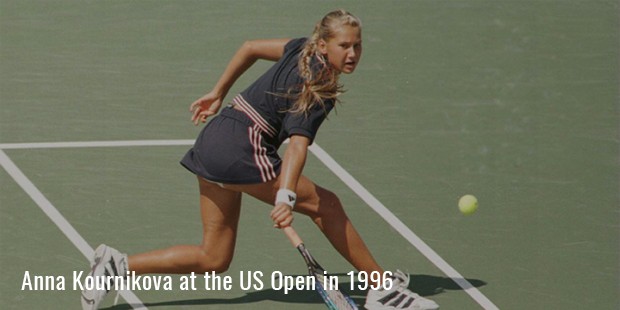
292	236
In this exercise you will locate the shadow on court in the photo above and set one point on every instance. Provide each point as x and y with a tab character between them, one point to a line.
424	285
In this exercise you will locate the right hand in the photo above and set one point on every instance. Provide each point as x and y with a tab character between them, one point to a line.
281	215
204	107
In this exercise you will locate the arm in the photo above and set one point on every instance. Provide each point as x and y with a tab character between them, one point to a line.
292	166
244	58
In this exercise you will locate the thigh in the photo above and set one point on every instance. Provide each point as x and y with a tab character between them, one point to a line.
220	209
312	200
316	201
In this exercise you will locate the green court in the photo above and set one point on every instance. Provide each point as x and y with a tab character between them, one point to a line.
516	102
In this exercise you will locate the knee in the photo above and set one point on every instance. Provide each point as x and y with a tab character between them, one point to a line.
217	263
220	266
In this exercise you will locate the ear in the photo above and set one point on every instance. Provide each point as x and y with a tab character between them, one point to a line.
322	47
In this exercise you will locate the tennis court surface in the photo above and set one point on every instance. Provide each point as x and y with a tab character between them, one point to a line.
515	102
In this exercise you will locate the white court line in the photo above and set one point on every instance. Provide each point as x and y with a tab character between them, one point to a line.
328	161
389	217
78	144
58	219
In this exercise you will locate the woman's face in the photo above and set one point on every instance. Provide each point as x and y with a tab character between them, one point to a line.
344	49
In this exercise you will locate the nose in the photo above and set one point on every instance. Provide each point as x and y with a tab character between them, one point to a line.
351	53
355	51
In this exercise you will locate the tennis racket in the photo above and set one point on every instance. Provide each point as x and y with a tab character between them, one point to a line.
334	299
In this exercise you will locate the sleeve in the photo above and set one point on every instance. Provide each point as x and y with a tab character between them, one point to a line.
295	44
306	124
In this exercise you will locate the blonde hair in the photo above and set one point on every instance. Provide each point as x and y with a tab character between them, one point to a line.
322	84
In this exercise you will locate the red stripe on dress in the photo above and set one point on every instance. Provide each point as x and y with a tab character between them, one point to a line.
254	115
271	174
260	155
269	171
253	139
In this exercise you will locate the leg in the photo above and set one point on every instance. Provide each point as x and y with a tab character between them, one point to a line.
327	212
220	215
325	209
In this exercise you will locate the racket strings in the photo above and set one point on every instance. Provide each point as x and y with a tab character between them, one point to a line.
336	299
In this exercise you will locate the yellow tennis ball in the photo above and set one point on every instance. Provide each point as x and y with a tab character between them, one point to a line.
468	204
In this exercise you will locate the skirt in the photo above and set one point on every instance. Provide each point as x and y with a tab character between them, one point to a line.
232	149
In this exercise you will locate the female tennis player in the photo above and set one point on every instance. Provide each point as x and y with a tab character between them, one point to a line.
236	153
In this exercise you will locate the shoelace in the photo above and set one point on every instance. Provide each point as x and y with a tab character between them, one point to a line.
404	278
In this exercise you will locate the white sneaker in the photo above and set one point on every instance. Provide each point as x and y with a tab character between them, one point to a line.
106	262
398	296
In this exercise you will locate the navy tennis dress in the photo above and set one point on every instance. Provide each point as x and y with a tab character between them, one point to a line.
240	146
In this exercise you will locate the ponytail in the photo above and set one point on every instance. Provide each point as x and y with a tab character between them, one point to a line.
320	84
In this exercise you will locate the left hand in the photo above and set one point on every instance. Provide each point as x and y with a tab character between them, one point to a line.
282	215
204	107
